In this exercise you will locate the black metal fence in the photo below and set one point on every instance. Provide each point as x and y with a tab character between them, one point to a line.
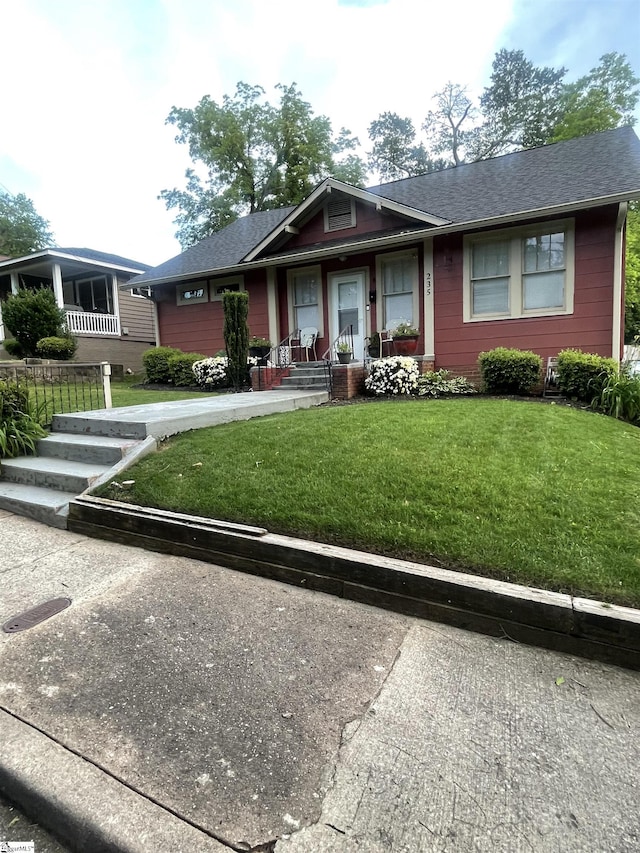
60	388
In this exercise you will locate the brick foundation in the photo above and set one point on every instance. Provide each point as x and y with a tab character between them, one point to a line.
348	380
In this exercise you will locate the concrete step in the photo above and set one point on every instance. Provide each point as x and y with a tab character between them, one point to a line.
51	473
109	427
304	382
85	448
303	370
46	505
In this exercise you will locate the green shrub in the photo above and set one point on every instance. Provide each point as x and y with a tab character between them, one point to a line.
620	398
19	428
156	363
236	337
13	348
509	371
62	349
31	315
583	375
181	367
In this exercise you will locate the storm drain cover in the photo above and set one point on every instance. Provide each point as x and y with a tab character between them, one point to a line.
36	615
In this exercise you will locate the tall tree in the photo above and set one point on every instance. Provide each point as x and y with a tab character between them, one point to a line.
522	105
601	100
396	152
22	229
256	156
451	126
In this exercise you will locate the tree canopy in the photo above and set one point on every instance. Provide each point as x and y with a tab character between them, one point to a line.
22	229
523	106
252	155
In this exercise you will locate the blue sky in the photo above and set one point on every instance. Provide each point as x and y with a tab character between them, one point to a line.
87	86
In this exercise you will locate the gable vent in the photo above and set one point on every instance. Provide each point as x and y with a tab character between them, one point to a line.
340	213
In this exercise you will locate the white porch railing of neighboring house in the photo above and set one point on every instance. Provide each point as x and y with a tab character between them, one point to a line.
87	323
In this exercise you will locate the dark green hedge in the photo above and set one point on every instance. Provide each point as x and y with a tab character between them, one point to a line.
583	375
180	367
156	363
509	371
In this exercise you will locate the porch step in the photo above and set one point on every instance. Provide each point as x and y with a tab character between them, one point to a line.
312	374
301	382
103	426
49	506
52	473
94	449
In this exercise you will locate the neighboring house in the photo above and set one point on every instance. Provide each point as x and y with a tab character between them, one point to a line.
110	323
524	250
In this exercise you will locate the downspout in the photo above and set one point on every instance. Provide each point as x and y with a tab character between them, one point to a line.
618	283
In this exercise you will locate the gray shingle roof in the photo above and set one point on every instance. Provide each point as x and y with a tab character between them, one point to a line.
103	257
223	249
580	169
567	173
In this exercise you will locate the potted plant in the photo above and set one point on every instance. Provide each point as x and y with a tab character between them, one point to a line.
259	347
374	345
344	352
405	339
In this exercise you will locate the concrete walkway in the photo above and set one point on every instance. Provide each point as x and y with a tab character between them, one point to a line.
182	706
162	419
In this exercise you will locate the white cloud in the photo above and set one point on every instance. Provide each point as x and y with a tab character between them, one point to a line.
91	85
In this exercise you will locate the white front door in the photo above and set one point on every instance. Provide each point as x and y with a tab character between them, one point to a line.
348	308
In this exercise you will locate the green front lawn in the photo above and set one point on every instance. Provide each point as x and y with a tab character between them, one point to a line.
538	494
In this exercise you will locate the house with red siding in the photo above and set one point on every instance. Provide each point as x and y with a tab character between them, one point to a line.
524	250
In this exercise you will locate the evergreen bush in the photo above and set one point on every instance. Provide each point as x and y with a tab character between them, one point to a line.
181	367
13	348
509	371
31	315
61	348
236	337
583	375
156	364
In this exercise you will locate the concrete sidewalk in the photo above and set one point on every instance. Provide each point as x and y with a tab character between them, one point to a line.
179	705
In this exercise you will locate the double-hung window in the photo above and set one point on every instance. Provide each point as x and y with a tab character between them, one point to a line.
524	272
399	276
305	297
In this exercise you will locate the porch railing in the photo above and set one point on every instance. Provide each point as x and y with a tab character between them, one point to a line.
343	343
89	323
56	389
272	366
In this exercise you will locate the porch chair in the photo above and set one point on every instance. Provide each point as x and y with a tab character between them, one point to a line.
307	339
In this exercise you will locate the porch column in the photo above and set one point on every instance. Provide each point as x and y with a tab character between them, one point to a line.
428	318
15	282
56	274
116	301
1	325
618	274
272	306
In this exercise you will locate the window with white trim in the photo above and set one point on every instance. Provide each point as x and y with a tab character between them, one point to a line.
88	294
305	289
523	272
141	292
192	292
398	276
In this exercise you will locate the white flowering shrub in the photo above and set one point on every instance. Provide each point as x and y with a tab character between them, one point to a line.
211	372
394	375
438	383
